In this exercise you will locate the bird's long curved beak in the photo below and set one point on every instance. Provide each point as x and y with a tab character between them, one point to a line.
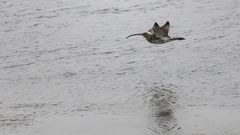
137	34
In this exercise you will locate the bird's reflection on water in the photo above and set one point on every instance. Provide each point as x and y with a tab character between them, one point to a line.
161	105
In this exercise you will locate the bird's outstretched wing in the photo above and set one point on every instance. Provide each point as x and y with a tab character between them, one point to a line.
153	28
160	31
165	27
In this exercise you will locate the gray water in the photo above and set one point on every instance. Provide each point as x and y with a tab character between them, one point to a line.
66	68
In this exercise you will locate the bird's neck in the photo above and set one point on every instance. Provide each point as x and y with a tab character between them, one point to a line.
148	37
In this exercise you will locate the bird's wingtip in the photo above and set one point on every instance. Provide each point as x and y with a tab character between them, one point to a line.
167	23
155	24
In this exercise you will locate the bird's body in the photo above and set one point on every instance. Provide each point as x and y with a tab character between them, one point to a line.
157	34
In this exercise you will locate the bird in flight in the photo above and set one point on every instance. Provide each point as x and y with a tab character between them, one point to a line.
157	34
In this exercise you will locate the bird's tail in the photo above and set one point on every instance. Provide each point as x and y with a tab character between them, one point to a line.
177	38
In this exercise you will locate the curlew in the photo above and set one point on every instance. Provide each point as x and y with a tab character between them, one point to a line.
157	34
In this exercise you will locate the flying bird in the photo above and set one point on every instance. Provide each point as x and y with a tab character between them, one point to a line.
157	34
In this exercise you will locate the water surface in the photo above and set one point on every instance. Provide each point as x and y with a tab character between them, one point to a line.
66	68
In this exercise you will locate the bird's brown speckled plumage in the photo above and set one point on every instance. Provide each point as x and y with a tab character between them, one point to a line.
157	34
